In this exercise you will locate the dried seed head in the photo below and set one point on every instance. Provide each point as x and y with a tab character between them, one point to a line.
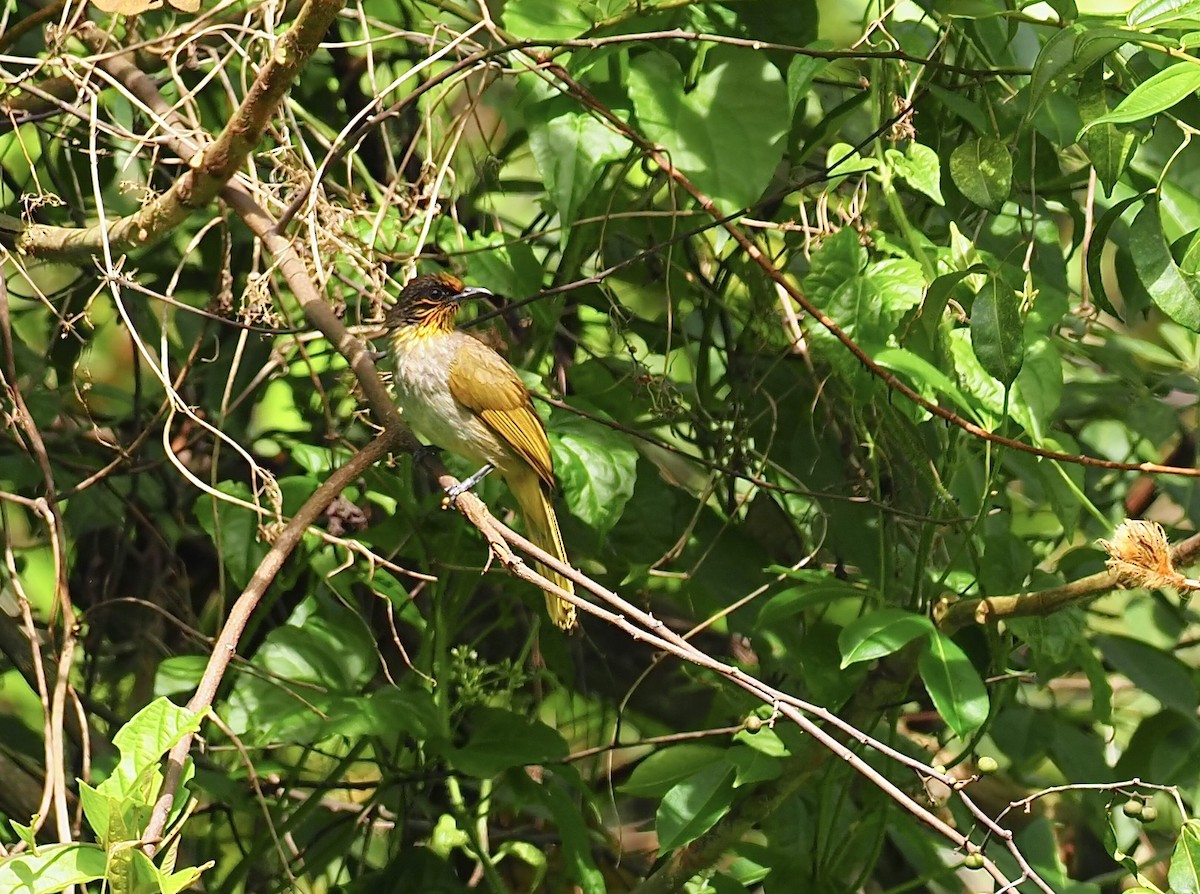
1140	555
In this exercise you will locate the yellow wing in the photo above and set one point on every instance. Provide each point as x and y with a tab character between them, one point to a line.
481	380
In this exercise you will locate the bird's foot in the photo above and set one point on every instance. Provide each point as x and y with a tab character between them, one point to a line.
462	487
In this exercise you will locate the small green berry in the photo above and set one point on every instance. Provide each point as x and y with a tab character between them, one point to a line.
987	764
1149	813
973	861
1132	808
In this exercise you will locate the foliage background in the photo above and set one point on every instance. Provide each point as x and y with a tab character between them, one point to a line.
857	326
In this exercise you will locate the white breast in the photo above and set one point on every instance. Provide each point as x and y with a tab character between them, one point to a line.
422	383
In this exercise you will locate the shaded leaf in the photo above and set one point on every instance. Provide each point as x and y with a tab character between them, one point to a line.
1152	670
571	151
667	767
501	739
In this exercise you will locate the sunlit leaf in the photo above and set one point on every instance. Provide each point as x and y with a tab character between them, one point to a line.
982	171
694	806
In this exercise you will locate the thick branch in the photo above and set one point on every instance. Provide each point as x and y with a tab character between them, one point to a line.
990	609
211	169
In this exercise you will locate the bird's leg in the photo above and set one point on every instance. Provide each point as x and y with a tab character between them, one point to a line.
424	452
463	486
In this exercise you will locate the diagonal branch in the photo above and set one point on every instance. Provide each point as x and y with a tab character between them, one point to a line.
208	170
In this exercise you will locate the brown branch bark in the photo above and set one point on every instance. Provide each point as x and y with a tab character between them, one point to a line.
211	168
990	609
239	615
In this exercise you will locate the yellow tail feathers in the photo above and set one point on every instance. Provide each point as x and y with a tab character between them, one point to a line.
542	527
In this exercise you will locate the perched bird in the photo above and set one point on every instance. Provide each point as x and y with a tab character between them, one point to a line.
460	395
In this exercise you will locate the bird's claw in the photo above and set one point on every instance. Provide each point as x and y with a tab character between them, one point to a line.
453	493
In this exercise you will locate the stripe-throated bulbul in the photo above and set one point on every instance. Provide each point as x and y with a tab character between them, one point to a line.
460	395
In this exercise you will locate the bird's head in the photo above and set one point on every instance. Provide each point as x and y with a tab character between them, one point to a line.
430	302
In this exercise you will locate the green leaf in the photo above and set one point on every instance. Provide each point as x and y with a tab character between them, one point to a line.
571	151
982	171
1098	681
1094	44
1154	95
801	72
694	806
1153	13
667	767
1053	65
142	742
920	168
1110	148
997	336
1183	876
843	160
545	19
1095	253
53	868
501	739
954	685
880	633
923	375
596	467
174	882
1173	292
576	839
1152	670
794	600
234	530
752	765
744	92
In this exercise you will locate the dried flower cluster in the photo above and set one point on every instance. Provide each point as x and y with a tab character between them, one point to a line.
1140	554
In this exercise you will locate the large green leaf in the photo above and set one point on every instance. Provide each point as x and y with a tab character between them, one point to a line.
52	869
733	160
143	741
997	335
545	19
500	739
571	150
880	633
596	467
1174	292
1109	147
1054	64
694	806
667	767
1153	671
1154	95
1156	13
918	166
1095	253
1184	872
954	685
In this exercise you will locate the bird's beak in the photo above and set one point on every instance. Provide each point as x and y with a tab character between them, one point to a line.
474	292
